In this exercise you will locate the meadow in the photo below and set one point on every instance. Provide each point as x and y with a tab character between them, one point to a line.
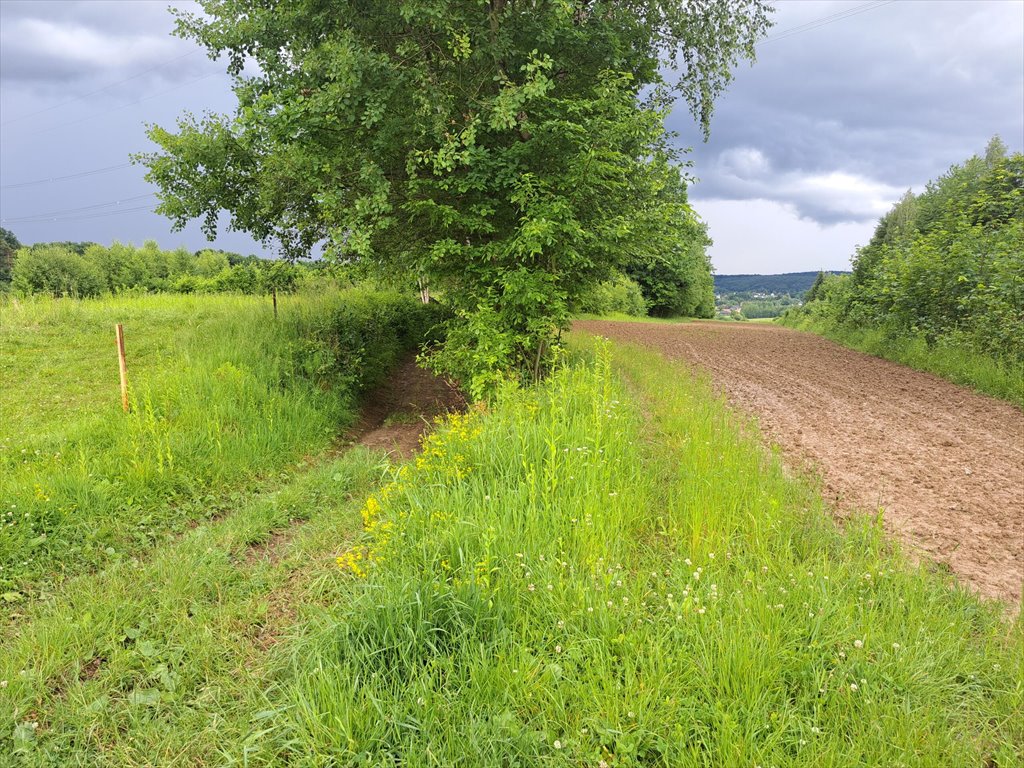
598	570
225	399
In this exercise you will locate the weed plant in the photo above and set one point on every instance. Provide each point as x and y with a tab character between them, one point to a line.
559	580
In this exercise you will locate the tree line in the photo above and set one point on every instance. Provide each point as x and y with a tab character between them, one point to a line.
86	269
945	265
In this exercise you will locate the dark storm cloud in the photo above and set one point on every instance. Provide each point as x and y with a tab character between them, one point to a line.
838	121
807	147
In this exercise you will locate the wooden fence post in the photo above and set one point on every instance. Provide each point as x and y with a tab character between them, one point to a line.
123	367
275	302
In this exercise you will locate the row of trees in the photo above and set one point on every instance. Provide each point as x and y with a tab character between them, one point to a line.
90	269
947	264
512	154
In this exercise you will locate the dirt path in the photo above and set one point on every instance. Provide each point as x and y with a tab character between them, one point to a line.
397	413
946	464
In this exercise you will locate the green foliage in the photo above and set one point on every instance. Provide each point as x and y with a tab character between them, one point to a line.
946	266
222	394
762	308
675	274
618	295
816	289
65	269
56	271
704	609
513	154
9	246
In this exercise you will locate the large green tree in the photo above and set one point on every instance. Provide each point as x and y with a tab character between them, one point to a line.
512	152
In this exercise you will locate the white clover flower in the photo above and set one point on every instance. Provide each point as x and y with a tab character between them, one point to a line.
853	687
557	744
858	643
531	587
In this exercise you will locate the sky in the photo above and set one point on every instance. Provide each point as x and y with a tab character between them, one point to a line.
848	105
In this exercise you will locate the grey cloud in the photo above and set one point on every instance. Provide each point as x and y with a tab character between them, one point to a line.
893	96
54	44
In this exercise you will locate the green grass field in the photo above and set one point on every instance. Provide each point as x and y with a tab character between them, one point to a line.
599	570
225	401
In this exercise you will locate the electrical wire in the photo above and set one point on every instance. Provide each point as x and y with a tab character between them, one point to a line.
824	20
49	214
79	175
100	90
86	216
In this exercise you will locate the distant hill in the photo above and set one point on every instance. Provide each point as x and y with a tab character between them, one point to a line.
793	283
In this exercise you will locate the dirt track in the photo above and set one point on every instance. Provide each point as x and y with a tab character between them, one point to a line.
946	464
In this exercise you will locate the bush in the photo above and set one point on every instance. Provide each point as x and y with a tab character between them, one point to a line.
57	271
620	294
355	346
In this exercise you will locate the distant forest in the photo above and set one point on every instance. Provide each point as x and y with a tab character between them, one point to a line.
792	283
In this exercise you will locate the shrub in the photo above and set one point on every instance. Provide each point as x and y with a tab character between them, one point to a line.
619	294
57	271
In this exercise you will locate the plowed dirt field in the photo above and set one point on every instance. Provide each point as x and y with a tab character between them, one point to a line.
945	464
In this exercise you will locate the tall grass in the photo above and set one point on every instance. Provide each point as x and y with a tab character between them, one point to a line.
559	582
956	362
163	662
222	396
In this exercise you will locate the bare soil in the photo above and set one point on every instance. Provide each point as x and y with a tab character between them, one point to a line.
945	464
396	414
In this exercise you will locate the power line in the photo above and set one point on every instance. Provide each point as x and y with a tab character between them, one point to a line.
128	104
824	20
100	90
79	175
50	214
83	217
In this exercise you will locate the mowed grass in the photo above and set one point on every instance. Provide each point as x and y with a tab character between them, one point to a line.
221	400
165	661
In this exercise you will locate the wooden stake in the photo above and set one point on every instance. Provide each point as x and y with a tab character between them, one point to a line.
275	302
123	367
